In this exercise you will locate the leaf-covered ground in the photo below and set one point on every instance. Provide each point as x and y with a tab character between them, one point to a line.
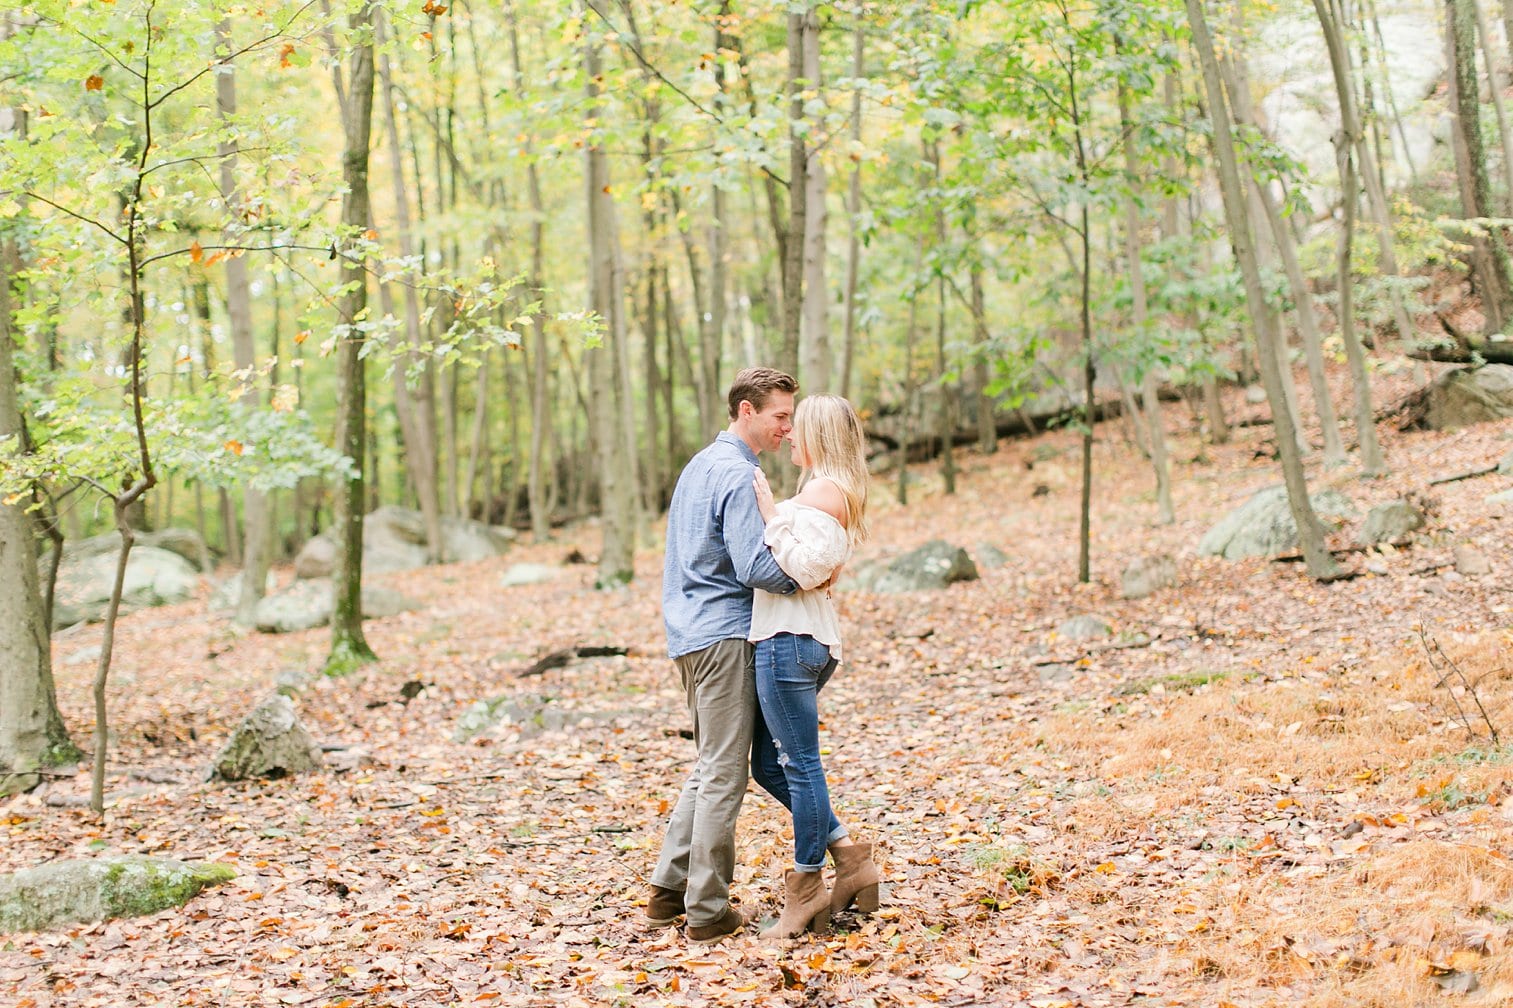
1260	791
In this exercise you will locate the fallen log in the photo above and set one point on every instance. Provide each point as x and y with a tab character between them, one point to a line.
1469	474
558	659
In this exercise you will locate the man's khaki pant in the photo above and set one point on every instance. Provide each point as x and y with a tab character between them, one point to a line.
698	853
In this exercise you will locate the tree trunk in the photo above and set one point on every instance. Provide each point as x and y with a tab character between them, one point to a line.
798	190
414	382
854	211
1371	173
945	413
1490	253
480	461
1372	462
1085	318
1155	428
1310	531
1379	59
608	406
540	478
32	734
256	510
707	388
816	357
911	328
1286	245
349	647
987	427
1495	86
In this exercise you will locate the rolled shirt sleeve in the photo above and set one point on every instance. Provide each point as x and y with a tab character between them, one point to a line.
743	529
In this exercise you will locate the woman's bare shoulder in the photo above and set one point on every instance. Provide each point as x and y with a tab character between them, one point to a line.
822	493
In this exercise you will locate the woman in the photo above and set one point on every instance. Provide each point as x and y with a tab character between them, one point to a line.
798	646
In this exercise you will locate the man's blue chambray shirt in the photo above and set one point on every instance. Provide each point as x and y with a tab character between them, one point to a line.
715	552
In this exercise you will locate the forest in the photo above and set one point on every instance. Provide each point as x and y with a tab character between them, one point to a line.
350	351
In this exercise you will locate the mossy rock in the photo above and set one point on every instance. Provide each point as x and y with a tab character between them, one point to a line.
83	891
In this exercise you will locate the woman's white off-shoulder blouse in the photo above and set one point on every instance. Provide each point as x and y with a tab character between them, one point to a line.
809	544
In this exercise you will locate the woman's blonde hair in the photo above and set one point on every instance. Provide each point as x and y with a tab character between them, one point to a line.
830	436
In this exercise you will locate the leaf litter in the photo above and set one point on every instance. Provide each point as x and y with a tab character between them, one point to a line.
1270	791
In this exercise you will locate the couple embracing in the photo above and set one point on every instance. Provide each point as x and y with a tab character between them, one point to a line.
753	634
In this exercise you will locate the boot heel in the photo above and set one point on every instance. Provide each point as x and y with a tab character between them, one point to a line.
820	922
866	899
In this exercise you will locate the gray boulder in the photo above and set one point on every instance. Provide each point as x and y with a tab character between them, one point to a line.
988	556
187	543
317	558
933	565
394	538
270	742
527	574
468	541
84	891
1390	523
1263	525
307	603
1084	627
229	592
1470	561
1468	396
154	577
1148	575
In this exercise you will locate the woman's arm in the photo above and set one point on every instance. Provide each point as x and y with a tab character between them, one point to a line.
765	504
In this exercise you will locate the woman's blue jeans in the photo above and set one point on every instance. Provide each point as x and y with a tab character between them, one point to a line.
791	669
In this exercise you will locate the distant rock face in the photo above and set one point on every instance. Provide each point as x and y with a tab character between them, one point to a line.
1465	396
394	538
934	565
1299	102
270	742
307	603
1263	525
1147	576
1390	522
154	577
83	891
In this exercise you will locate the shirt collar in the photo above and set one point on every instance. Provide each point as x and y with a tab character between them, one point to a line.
742	446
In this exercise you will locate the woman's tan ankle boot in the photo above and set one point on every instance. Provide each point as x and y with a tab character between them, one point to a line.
806	906
856	878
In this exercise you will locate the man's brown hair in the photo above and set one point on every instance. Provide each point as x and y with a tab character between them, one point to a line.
756	385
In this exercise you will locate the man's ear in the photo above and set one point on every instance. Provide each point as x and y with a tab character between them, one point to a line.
744	409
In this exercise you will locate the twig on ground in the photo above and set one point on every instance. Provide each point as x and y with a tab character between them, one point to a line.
1455	672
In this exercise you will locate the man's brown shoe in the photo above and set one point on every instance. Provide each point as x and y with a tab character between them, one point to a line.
664	908
728	923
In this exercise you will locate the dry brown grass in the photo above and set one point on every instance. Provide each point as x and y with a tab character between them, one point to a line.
1390	882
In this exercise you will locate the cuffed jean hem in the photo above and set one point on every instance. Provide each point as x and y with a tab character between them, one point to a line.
839	833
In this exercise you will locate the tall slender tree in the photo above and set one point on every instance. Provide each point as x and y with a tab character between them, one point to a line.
1320	563
257	513
349	646
608	363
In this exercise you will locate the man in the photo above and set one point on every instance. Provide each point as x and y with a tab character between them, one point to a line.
715	557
